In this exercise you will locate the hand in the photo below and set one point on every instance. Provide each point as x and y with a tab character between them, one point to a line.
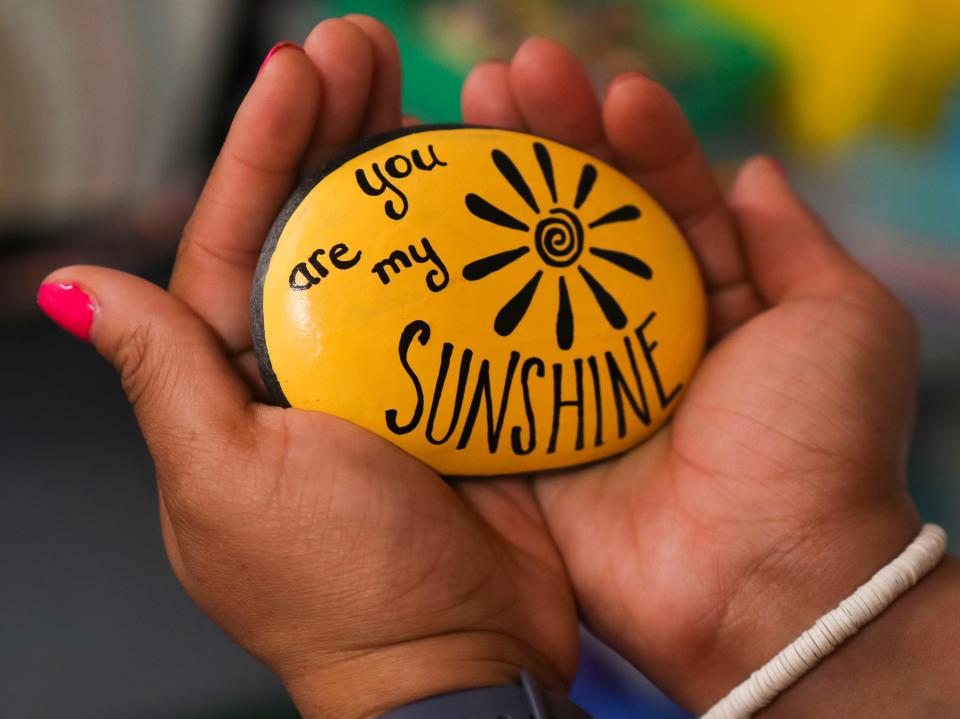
779	486
355	572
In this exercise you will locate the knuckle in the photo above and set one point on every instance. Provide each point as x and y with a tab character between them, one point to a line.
131	361
147	365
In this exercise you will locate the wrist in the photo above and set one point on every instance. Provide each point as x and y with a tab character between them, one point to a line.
369	683
901	664
814	570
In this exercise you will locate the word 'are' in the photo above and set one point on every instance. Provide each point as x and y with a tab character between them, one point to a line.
301	278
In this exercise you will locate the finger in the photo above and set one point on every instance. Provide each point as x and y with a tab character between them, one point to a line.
729	307
186	397
654	144
486	98
555	96
255	172
344	58
788	250
247	367
383	107
410	121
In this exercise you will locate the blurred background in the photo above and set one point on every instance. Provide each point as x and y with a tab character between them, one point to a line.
111	112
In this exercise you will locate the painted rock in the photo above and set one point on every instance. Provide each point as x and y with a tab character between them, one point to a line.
489	301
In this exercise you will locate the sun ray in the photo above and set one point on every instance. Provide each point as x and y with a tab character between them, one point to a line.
564	318
478	269
611	308
587	177
624	261
546	165
485	211
511	313
513	176
621	214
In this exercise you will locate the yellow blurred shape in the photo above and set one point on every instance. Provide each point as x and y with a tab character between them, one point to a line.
848	64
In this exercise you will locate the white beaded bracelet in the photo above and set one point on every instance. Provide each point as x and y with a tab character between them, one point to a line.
834	628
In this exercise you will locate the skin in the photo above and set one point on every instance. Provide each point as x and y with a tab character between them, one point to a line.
367	581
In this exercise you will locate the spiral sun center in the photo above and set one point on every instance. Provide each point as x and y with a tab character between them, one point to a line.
559	238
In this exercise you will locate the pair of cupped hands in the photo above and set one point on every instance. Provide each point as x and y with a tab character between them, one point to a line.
367	581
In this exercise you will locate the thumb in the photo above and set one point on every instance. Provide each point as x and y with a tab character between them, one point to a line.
788	251
181	386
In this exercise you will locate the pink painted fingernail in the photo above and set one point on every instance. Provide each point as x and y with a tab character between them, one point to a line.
273	51
68	306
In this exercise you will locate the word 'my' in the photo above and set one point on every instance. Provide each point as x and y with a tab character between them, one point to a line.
437	278
396	168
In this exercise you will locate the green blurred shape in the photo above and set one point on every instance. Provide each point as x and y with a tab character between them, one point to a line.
431	86
718	71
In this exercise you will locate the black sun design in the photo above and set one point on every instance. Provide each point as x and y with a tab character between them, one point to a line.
558	238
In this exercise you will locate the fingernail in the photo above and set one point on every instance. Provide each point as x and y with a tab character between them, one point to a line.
778	166
633	75
273	51
68	306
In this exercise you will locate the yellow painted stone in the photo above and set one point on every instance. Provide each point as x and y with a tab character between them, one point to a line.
489	301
